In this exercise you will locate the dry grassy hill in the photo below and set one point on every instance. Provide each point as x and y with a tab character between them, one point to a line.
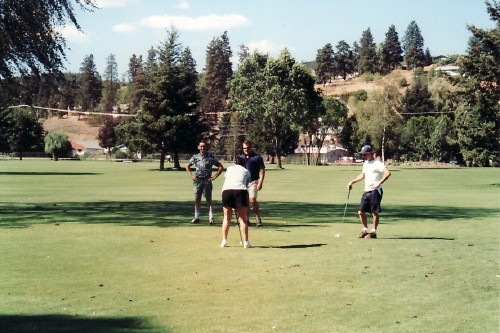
340	87
75	127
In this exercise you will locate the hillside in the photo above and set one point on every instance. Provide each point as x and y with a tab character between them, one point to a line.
74	127
340	87
79	130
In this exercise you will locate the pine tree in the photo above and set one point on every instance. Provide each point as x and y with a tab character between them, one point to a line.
391	51
343	60
168	119
413	47
110	84
477	117
367	53
137	83
218	72
325	63
90	85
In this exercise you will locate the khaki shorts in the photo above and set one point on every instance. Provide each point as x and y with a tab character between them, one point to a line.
252	189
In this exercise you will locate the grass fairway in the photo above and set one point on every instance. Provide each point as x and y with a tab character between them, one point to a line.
107	247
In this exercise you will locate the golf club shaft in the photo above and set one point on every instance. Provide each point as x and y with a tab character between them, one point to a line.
345	208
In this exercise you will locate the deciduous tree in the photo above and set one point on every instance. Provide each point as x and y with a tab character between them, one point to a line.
30	42
21	131
277	97
57	144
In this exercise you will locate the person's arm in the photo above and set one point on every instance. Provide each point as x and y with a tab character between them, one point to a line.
188	170
386	175
260	182
360	177
220	168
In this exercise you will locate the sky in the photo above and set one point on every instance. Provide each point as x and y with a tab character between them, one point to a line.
127	27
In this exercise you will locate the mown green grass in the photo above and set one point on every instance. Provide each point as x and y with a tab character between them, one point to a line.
107	247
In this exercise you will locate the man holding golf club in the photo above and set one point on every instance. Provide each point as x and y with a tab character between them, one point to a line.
374	173
235	197
202	180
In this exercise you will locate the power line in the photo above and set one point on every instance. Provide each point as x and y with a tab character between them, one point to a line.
71	111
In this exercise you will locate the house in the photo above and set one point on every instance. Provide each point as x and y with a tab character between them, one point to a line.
451	70
79	148
76	149
440	58
330	154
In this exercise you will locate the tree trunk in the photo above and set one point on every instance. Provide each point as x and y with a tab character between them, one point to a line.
162	158
177	165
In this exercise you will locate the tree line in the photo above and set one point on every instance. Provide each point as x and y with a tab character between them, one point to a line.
271	101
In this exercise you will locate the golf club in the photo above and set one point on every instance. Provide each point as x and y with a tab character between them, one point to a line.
345	208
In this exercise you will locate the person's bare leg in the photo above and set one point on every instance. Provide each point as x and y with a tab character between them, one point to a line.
226	223
362	218
243	218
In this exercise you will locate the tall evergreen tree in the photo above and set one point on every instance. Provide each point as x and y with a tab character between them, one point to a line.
218	72
413	46
68	91
168	118
110	84
343	60
136	83
391	51
367	53
325	63
477	117
90	85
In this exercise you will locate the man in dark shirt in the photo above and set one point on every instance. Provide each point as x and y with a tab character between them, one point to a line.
255	164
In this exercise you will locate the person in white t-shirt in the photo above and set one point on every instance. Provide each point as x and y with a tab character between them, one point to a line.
374	173
235	197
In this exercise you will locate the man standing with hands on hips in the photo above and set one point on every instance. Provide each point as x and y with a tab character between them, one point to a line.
202	180
255	164
374	173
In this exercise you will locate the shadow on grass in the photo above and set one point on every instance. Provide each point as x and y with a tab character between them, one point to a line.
34	173
420	238
74	324
295	246
279	215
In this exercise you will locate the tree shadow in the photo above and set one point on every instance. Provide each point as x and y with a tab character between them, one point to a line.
278	215
35	173
74	324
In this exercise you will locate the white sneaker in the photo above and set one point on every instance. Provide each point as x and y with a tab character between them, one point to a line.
224	243
247	245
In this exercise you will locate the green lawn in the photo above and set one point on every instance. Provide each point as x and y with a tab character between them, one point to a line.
107	247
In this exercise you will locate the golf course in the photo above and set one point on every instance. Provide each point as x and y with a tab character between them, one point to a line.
107	247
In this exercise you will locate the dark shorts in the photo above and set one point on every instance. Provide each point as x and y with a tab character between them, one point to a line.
370	201
235	198
202	186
